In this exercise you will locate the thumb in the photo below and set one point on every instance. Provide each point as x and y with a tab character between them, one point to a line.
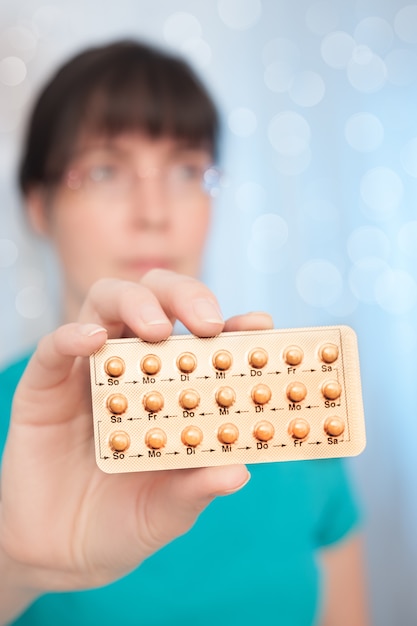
184	494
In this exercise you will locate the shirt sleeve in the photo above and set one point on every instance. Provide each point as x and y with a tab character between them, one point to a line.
339	512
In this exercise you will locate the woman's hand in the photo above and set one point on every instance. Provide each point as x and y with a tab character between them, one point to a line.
64	524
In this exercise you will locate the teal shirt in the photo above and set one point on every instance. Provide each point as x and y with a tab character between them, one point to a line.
251	558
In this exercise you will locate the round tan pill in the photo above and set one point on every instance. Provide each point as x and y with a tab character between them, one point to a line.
222	360
189	399
334	426
258	358
150	364
225	396
192	436
296	392
186	362
299	428
153	401
331	390
264	431
117	403
228	433
329	352
114	366
293	355
119	441
155	438
261	394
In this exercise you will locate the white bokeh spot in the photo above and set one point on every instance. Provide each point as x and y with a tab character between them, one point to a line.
181	27
376	33
368	241
31	302
293	165
401	64
319	283
366	71
307	89
278	76
242	122
322	17
281	49
197	51
405	23
8	252
364	132
396	292
251	197
289	133
13	71
363	276
337	49
407	239
239	14
409	157
266	246
382	192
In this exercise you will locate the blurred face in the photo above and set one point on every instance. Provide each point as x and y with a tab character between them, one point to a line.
125	206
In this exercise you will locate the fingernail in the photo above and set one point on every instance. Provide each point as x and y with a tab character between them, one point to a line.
207	311
151	315
92	329
235	489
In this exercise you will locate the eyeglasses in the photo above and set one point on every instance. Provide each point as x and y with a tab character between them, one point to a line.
117	180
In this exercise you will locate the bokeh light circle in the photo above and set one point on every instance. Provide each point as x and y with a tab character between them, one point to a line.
289	133
239	14
363	276
8	252
364	132
319	283
293	165
366	71
322	17
180	27
251	197
197	51
409	157
368	241
280	49
405	23
337	49
307	89
278	76
13	71
242	122
396	292
376	33
407	239
401	64
382	191
266	246
31	302
270	230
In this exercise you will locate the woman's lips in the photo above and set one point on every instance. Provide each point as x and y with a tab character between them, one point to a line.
145	265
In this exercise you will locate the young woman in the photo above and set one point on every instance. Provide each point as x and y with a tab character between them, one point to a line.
116	172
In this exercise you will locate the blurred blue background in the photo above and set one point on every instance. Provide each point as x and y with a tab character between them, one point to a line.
317	221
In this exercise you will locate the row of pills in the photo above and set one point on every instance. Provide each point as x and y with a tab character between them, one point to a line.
227	433
222	360
153	401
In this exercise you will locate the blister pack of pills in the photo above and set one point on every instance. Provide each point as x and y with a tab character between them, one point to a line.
240	397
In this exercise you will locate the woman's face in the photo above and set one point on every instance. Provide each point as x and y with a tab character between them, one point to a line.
125	206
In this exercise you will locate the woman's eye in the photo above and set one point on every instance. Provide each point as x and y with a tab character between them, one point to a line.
102	173
187	172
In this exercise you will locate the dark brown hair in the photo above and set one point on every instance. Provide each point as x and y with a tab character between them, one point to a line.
123	86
